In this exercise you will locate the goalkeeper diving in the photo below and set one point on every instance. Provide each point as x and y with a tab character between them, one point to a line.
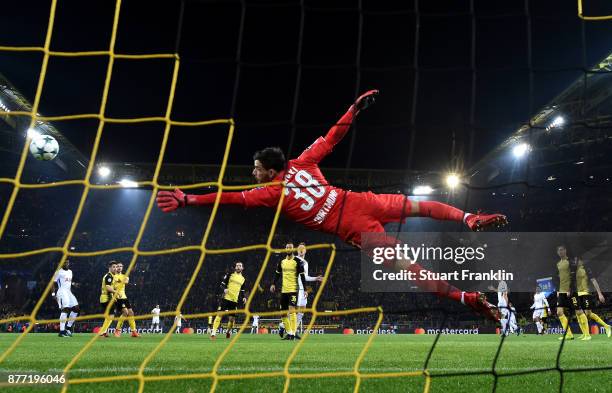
310	200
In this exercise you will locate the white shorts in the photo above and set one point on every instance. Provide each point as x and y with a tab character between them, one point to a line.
501	302
302	300
538	313
66	299
155	320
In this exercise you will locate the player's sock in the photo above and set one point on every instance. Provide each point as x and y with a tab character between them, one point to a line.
504	326
216	324
63	321
71	318
293	321
540	327
439	211
120	323
300	316
132	323
287	324
584	324
230	325
565	325
596	318
105	325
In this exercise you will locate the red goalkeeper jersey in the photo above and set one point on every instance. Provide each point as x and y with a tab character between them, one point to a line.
309	199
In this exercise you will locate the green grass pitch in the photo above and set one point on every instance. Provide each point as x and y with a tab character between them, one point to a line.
184	354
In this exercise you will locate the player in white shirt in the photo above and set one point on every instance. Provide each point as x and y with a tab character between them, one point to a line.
502	305
66	301
539	305
155	319
302	294
178	320
255	325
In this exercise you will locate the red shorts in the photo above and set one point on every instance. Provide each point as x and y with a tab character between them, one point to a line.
369	212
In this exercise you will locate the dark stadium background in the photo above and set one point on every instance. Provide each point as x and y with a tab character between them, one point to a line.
347	47
265	95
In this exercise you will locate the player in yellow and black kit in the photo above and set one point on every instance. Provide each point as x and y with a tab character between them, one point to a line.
122	304
574	294
233	291
107	292
564	291
290	269
582	300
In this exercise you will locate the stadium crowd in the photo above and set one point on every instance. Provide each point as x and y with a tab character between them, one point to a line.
161	280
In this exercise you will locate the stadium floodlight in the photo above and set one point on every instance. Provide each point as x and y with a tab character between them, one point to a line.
452	180
557	122
32	133
127	183
520	150
4	107
104	171
422	190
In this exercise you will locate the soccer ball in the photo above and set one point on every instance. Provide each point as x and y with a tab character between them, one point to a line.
44	147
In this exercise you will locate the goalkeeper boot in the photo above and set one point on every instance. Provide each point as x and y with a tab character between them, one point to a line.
478	222
477	301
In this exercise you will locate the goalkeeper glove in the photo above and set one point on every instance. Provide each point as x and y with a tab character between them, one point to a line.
169	201
366	99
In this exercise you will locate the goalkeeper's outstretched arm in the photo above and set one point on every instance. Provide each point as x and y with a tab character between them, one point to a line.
337	132
324	145
267	196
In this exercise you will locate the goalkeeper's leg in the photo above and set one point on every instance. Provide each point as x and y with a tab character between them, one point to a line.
396	207
475	300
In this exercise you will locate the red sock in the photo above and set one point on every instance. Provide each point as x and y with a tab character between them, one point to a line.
440	211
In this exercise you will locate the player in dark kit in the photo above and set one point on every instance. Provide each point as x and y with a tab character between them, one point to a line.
234	291
310	200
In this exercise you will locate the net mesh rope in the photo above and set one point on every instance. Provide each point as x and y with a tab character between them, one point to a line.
153	183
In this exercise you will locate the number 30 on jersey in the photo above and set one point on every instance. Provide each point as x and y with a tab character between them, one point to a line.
307	189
